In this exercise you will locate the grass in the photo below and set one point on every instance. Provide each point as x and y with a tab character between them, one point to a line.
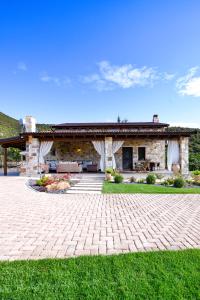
113	188
152	275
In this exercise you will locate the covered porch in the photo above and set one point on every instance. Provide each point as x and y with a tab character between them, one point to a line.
96	153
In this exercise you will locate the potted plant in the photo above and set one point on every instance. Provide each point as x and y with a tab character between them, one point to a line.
176	168
109	173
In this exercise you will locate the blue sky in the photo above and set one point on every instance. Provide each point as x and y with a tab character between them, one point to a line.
68	61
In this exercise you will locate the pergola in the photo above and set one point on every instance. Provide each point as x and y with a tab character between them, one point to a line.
15	142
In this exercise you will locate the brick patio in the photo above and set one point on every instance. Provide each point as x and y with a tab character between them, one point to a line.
36	225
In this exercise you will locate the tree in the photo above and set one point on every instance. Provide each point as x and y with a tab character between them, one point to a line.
14	154
119	120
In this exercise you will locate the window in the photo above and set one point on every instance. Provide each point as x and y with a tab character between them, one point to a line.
141	153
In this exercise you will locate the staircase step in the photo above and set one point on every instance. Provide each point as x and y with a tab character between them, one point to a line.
89	183
85	188
83	192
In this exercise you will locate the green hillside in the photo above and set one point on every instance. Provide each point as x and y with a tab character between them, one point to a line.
8	126
11	127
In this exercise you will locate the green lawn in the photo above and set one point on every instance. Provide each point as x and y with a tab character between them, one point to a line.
118	188
152	275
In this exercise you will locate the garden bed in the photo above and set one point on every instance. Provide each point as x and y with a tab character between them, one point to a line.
143	188
54	184
152	184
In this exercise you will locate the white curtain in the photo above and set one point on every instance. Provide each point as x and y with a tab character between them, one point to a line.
45	148
115	147
100	148
172	154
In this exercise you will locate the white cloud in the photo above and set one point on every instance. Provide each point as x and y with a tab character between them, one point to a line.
22	66
124	76
55	80
189	85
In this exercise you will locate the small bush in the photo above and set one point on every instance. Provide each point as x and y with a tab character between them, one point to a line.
168	181
110	171
151	179
42	181
179	182
118	178
132	179
141	180
196	172
189	181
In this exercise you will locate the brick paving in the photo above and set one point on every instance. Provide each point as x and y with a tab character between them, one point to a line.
37	225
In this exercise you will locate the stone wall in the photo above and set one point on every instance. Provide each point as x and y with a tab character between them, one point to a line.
75	151
155	151
30	167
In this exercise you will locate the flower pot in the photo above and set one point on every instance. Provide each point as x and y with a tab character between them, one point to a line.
109	177
176	168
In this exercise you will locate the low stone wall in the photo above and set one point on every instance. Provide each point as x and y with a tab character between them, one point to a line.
155	151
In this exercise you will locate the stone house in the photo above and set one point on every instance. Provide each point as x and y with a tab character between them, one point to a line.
122	146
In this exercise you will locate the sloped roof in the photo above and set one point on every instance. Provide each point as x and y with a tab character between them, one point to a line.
111	125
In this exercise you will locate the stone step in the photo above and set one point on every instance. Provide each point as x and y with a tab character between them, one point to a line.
89	183
89	180
83	192
86	188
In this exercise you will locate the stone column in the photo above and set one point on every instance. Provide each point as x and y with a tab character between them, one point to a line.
184	155
32	155
108	152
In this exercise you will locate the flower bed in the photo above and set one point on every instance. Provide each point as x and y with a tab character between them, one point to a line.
52	183
156	179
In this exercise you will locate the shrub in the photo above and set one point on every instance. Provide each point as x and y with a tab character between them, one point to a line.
168	181
42	181
110	171
151	179
189	181
132	179
118	178
196	172
179	182
194	161
141	180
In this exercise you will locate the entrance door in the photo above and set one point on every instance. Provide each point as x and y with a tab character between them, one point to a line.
127	158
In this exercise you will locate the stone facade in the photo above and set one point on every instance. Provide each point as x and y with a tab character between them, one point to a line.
30	167
155	151
74	151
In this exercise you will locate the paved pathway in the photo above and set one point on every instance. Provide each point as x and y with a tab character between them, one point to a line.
38	225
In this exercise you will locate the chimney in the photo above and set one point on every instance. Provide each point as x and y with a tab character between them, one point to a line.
29	124
155	119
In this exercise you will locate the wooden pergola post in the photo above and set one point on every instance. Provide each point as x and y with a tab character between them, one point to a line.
5	164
